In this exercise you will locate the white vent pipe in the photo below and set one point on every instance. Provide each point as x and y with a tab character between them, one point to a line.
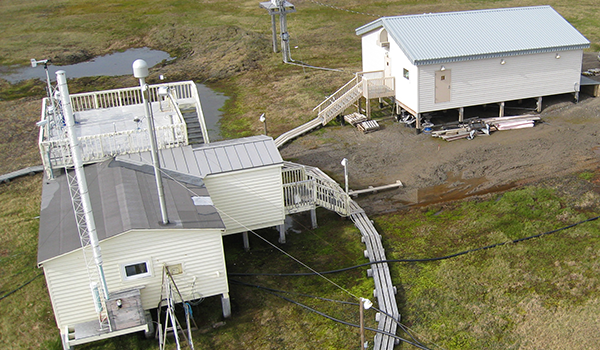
140	71
76	151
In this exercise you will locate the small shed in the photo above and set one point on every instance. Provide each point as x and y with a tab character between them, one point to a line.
135	246
453	60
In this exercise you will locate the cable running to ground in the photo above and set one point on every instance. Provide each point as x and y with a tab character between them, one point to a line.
268	290
423	259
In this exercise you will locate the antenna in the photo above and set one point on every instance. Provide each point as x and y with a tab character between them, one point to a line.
34	64
86	203
282	8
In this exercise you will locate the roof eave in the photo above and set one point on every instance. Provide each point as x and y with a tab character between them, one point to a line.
369	27
425	62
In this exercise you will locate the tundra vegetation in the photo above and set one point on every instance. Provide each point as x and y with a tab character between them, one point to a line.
539	293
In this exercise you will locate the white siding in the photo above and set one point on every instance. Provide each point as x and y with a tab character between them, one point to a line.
373	56
248	200
487	81
200	252
406	89
372	53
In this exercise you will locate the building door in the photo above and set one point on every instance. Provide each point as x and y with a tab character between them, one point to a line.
387	70
442	86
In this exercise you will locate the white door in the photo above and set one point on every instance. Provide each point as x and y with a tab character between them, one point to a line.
442	86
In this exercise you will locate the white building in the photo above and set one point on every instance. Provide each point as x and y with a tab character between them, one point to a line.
211	190
453	60
135	247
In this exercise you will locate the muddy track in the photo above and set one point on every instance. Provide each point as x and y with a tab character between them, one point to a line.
432	170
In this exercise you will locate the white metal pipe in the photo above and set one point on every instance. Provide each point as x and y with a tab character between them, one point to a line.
154	151
80	176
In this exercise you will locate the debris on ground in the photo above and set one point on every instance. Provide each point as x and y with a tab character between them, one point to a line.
483	126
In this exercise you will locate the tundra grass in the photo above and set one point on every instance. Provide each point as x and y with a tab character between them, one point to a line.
504	297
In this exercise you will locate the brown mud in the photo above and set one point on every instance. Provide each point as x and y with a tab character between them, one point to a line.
432	170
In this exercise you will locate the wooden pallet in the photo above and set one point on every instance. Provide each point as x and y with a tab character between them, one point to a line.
368	126
355	118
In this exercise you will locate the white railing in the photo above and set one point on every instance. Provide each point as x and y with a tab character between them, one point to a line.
307	187
129	96
376	84
97	147
338	94
102	146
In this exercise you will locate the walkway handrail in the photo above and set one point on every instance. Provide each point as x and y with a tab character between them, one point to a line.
339	93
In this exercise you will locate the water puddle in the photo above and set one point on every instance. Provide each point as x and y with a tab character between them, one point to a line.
212	101
456	188
119	63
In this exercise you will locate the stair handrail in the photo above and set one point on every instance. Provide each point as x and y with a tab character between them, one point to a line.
339	93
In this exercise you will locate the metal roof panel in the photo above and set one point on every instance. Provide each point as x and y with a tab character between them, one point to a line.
465	35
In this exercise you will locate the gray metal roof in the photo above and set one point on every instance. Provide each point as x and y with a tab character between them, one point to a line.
124	197
216	157
468	35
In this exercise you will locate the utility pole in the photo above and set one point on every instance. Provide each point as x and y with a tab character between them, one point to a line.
281	7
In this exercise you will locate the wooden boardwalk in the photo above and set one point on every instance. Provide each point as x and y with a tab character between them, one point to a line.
302	129
26	171
384	292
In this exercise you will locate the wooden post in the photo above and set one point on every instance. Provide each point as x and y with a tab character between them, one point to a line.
539	104
246	240
501	113
368	107
461	114
313	218
226	304
281	229
418	122
362	325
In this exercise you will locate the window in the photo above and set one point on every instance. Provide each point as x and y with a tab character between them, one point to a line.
136	270
405	73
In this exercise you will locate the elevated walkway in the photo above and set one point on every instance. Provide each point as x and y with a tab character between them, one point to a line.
307	187
364	84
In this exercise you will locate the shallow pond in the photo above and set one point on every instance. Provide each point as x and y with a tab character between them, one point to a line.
119	63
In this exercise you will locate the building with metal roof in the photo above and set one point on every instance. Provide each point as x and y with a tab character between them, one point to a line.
136	246
242	176
453	60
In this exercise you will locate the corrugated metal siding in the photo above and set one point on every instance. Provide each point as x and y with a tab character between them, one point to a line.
469	35
487	81
248	200
200	252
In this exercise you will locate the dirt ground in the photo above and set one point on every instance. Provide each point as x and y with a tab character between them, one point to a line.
566	140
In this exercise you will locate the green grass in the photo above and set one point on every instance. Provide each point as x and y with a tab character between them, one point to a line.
485	299
541	293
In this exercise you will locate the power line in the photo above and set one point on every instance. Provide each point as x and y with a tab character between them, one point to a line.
314	272
422	259
273	292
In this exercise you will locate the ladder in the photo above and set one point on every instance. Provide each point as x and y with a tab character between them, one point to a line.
168	299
